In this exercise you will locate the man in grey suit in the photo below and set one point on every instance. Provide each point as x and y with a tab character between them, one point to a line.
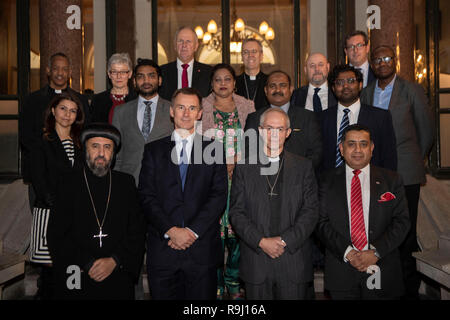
414	130
274	210
142	120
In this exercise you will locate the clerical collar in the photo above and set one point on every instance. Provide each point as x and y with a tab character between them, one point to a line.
275	159
252	78
57	91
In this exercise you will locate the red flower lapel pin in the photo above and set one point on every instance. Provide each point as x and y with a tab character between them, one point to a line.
387	196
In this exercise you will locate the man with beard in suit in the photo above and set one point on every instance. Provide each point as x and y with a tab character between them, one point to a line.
316	96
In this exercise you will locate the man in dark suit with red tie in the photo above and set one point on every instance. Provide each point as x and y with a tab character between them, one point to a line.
183	195
185	71
363	220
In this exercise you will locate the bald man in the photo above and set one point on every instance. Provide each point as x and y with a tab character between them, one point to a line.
185	71
315	96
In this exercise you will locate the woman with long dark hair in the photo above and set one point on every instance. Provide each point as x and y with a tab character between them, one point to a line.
58	152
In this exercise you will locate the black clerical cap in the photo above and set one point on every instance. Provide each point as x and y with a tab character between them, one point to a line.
100	129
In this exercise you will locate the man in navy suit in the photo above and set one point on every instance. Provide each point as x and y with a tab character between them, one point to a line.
363	220
185	71
183	195
346	82
317	95
357	49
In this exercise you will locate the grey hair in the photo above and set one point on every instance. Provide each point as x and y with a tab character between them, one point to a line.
278	110
245	41
122	58
182	28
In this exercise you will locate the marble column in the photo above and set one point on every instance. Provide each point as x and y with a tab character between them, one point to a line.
56	35
397	30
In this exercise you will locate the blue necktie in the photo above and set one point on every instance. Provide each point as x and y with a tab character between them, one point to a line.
146	124
183	164
317	104
344	124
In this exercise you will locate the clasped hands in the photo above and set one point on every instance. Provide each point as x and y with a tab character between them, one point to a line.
361	260
273	247
180	238
101	269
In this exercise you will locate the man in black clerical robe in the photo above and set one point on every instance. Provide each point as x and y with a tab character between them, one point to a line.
97	225
274	210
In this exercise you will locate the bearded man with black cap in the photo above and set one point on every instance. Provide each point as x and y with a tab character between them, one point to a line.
96	235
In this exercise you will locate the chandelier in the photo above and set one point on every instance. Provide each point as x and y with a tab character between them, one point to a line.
239	32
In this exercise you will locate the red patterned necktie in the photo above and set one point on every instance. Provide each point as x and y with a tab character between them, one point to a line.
184	76
358	231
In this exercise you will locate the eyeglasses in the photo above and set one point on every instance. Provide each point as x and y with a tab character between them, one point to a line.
115	73
341	82
356	46
385	59
183	108
274	130
247	52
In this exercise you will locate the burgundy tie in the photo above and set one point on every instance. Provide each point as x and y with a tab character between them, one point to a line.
184	76
358	232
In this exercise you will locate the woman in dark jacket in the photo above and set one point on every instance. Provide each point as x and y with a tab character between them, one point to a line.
58	152
120	70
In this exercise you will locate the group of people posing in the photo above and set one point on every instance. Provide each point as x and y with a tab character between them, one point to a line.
338	169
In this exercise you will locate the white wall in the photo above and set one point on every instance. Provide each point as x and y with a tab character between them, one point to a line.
361	15
143	16
318	25
100	58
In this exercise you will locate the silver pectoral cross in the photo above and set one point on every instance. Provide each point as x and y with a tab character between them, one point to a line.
271	193
100	235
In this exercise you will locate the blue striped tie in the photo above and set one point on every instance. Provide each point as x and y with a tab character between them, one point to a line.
344	124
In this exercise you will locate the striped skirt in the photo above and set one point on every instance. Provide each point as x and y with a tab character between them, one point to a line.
38	244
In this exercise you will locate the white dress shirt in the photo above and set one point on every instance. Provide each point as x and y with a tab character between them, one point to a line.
352	115
323	96
179	145
365	72
364	178
141	111
284	107
180	72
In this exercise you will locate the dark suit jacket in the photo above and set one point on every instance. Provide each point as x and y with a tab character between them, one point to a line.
32	122
250	218
413	121
305	139
260	99
48	162
299	97
201	79
382	132
101	104
388	226
201	204
371	76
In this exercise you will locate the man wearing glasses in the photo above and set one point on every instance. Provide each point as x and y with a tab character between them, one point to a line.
250	84
305	139
183	195
346	82
414	128
185	71
357	50
143	119
274	210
